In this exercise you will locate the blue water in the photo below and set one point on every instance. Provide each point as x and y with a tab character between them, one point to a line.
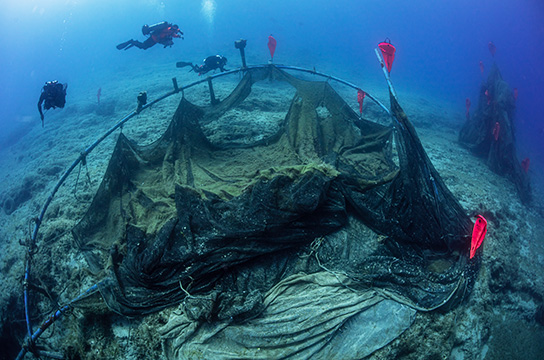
439	45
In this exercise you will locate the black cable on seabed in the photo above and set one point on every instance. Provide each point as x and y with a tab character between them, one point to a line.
31	341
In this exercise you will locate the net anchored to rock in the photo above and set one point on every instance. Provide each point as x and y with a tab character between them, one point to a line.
491	134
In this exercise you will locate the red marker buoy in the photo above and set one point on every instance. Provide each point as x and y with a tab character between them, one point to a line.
272	46
478	234
360	97
496	131
388	53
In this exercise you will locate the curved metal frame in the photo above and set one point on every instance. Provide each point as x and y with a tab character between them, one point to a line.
31	243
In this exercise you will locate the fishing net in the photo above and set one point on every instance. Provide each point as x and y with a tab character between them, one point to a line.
321	238
490	133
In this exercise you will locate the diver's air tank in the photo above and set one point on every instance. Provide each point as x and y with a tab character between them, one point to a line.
147	29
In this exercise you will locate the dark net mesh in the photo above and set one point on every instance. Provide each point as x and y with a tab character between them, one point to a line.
217	225
490	133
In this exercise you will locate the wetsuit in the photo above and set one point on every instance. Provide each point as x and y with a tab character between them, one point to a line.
164	37
211	63
53	95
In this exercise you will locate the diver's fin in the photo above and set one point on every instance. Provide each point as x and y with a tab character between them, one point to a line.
181	64
121	46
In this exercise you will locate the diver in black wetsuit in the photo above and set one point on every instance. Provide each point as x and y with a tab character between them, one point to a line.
161	33
53	95
213	62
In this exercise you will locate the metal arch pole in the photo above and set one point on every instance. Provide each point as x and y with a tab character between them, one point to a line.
51	319
175	91
120	123
386	73
335	79
295	68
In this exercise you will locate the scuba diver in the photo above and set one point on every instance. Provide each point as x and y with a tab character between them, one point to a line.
53	95
213	62
160	33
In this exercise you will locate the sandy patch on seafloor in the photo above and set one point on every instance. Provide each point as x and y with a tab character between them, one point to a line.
510	286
